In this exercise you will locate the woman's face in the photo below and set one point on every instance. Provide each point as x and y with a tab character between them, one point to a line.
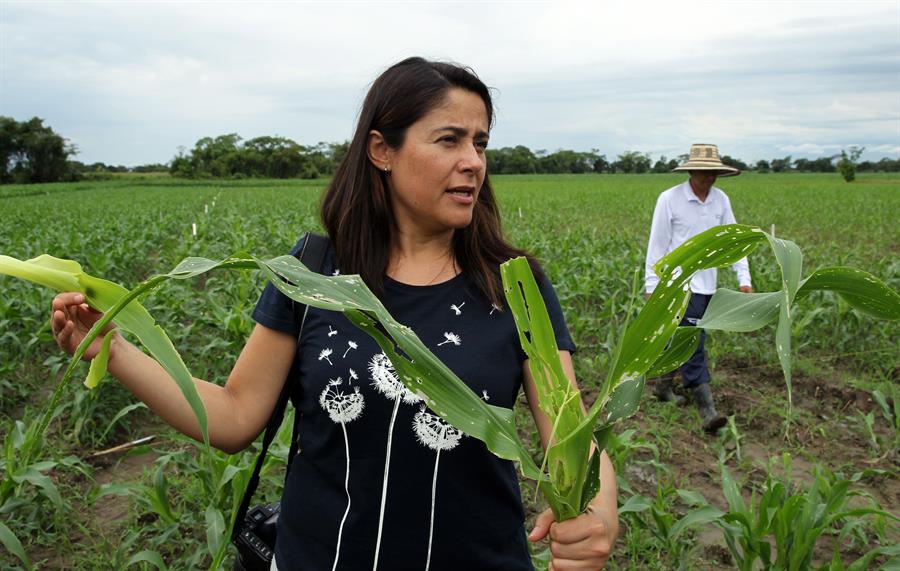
437	173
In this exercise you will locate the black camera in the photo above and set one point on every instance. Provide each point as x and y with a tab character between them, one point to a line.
256	541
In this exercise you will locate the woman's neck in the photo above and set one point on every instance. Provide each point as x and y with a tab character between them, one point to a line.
422	260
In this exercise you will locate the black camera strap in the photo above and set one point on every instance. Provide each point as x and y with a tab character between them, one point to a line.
311	255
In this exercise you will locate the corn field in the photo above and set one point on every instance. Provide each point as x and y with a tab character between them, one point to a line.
826	465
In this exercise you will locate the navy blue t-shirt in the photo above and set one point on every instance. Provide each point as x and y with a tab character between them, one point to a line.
449	502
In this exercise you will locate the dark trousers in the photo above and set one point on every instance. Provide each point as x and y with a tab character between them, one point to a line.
695	371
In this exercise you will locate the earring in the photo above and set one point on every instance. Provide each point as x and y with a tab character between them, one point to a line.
387	168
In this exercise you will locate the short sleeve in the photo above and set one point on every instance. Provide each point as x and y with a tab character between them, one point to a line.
560	329
276	310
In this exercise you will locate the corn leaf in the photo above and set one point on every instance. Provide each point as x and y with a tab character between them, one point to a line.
635	504
115	301
624	400
215	530
591	484
648	335
417	367
159	497
863	291
700	516
148	556
567	458
731	310
12	544
98	364
682	345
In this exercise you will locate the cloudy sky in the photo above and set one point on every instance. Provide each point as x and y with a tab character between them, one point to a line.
131	82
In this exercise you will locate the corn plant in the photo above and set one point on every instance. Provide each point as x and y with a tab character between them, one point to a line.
790	518
665	524
731	433
890	410
651	345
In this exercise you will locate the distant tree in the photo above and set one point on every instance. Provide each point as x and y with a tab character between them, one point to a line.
782	165
33	152
150	168
884	165
662	165
736	163
181	165
600	164
272	157
846	165
633	162
512	160
520	160
762	166
337	152
822	164
266	156
566	161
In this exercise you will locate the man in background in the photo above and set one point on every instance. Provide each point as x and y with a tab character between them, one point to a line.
682	212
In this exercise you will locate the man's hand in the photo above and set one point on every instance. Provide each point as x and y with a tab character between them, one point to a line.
746	289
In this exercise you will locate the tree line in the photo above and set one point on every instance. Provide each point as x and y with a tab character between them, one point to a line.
264	157
32	152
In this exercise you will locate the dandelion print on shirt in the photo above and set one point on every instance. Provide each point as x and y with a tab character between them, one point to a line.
457	309
450	338
436	434
315	495
342	408
386	381
324	354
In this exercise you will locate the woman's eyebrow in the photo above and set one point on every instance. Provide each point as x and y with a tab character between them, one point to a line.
461	131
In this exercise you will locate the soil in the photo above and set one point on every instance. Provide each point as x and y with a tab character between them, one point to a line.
110	509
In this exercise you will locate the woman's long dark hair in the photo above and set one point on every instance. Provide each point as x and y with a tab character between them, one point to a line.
356	208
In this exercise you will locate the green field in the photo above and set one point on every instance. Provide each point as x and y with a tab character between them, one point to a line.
590	232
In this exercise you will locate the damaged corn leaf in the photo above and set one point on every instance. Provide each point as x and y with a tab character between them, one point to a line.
417	367
105	296
565	458
734	311
655	344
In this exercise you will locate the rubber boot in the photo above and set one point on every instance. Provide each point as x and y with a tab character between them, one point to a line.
712	420
662	389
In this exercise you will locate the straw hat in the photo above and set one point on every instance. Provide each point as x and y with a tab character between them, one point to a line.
706	158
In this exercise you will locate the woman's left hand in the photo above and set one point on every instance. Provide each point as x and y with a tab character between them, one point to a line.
584	542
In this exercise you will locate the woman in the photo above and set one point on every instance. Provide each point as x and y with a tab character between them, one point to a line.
411	210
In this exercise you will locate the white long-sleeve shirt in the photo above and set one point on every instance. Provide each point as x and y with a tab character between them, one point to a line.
678	215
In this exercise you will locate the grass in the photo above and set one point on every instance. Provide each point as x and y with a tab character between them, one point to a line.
590	231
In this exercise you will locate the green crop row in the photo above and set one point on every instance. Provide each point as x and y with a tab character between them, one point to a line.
589	231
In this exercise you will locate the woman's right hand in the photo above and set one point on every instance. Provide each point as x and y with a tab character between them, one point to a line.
70	322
